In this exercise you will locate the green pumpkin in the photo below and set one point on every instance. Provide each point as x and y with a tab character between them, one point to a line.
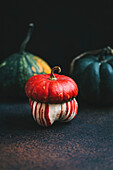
93	72
18	68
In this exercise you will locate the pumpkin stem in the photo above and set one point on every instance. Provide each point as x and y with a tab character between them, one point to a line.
27	38
105	51
52	77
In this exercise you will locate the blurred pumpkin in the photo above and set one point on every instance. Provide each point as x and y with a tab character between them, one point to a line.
93	72
18	68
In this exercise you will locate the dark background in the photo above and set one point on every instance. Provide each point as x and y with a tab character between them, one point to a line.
63	29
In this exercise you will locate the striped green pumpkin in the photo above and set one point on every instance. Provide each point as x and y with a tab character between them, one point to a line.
18	68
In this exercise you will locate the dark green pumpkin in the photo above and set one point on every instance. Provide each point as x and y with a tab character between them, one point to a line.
93	72
18	68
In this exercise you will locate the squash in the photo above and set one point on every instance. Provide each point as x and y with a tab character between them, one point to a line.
93	72
52	97
18	68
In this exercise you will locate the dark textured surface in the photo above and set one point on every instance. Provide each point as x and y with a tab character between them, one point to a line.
85	143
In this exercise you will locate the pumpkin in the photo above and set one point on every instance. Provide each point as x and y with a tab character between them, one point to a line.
18	68
93	72
52	97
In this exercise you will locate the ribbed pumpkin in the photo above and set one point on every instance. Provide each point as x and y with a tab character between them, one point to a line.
52	98
18	68
93	72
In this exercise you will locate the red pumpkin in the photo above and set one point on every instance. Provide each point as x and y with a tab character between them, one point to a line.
52	97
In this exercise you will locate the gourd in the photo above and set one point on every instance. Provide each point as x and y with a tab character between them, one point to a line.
93	72
52	97
18	68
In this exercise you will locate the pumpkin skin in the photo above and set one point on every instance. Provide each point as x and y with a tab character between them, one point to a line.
46	114
49	96
40	88
93	72
18	68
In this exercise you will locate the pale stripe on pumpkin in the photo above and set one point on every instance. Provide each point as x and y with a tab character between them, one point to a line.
74	110
47	114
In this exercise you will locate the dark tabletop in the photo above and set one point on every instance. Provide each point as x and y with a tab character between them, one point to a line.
85	143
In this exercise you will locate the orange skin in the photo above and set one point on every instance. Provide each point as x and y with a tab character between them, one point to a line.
41	88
